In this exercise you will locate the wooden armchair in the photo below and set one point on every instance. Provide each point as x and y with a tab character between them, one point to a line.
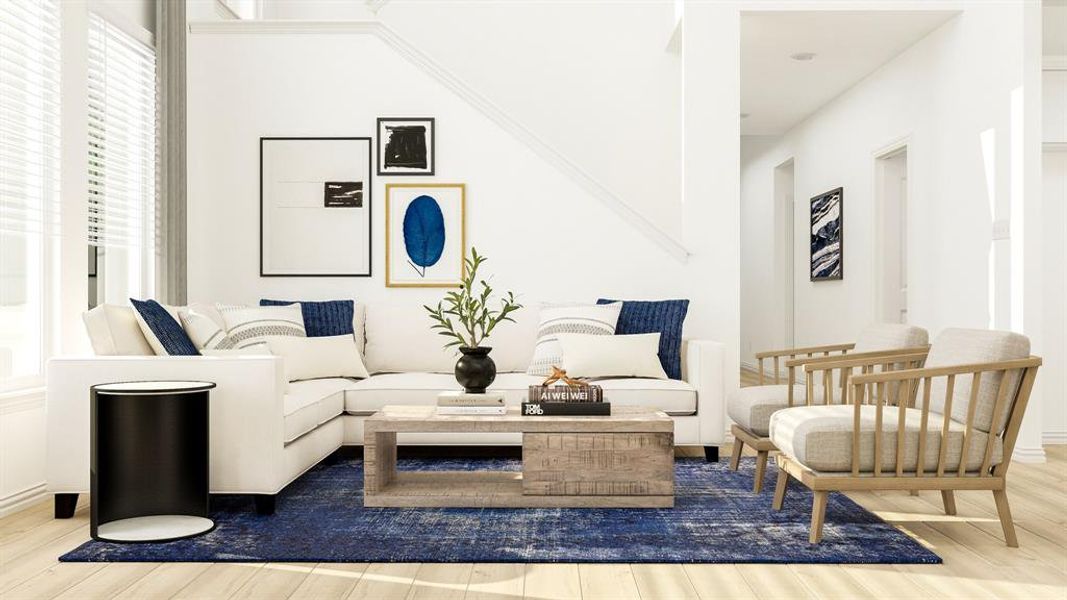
951	425
751	408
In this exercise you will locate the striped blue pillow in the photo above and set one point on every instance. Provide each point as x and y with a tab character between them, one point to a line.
168	331
322	319
656	316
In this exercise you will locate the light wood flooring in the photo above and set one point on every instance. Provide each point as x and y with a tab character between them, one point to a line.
977	563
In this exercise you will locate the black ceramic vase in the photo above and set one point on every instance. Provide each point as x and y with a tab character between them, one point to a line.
475	371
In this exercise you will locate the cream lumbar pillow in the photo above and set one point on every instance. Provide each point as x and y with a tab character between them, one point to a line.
611	355
590	319
319	357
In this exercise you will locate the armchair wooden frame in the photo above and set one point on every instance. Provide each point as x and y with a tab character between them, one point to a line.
797	358
899	390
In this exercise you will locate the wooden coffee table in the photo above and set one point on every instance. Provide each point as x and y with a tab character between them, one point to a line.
624	460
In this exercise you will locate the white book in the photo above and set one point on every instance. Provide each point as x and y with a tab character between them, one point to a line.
455	398
473	410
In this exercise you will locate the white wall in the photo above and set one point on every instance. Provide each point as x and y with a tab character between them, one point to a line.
546	237
940	95
592	79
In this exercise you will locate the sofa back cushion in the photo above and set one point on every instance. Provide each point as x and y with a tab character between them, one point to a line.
113	331
399	339
968	346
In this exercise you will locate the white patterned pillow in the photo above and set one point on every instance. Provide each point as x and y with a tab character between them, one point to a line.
205	326
589	319
250	325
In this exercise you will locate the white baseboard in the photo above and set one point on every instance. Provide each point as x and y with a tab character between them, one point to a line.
13	503
1029	455
1054	437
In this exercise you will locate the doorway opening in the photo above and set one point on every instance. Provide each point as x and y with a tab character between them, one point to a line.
891	196
785	250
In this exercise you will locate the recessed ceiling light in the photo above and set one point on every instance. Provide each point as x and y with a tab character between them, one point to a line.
802	56
744	115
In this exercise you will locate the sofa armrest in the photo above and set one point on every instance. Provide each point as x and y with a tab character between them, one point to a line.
702	367
246	427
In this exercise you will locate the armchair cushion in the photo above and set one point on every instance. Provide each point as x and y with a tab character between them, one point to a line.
820	438
890	336
751	407
968	346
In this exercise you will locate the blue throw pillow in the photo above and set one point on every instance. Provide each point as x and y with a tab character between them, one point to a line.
166	329
322	319
656	316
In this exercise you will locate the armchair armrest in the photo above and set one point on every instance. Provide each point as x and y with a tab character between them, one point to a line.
792	353
702	367
246	428
867	362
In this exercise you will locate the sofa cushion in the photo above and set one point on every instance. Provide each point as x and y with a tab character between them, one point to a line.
664	317
326	318
589	319
162	328
399	340
371	394
890	336
113	331
250	325
967	346
308	404
820	438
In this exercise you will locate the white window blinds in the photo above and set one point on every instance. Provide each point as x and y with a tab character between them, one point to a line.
29	182
122	140
29	115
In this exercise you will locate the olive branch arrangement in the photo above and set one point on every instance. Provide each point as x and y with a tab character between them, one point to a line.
470	308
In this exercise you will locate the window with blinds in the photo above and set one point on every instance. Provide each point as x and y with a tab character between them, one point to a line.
122	164
29	180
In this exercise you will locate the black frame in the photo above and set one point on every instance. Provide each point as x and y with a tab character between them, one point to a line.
840	191
368	198
433	147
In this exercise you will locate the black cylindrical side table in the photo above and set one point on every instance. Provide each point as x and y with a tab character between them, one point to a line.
149	460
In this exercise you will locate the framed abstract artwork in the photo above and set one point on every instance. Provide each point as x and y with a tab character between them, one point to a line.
406	146
315	207
425	234
827	236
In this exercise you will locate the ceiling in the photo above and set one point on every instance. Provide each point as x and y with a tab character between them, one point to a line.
777	92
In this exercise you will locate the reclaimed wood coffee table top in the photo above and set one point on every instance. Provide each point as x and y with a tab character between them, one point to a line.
426	419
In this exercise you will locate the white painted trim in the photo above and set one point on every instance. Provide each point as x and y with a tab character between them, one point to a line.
674	42
224	11
20	400
1054	146
1054	63
375	5
17	501
1054	437
1029	455
496	114
887	150
109	14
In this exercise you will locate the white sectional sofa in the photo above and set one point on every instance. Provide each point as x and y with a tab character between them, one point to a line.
265	432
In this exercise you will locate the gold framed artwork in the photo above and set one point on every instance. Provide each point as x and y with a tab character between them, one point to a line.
425	234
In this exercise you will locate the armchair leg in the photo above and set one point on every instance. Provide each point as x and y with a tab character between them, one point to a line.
818	514
1004	511
761	468
779	489
949	498
735	454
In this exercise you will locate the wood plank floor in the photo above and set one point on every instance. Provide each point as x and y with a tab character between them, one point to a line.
977	563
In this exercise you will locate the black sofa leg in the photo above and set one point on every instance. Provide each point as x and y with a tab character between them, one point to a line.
711	453
265	503
65	505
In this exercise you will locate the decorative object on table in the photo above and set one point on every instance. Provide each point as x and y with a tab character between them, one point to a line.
716	519
665	317
162	328
324	318
149	460
315	207
463	403
573	398
633	355
471	308
827	236
406	146
425	234
590	319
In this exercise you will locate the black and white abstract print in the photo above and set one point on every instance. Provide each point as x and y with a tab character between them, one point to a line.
827	241
406	146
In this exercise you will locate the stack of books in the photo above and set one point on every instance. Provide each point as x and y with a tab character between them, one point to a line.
462	403
565	400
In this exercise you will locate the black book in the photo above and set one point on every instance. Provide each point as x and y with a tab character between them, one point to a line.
565	409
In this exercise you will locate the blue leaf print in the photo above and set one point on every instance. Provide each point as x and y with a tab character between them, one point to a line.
424	233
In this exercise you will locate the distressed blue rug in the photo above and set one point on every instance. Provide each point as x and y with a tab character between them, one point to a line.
716	519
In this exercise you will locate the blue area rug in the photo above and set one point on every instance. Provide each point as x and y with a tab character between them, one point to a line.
716	519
